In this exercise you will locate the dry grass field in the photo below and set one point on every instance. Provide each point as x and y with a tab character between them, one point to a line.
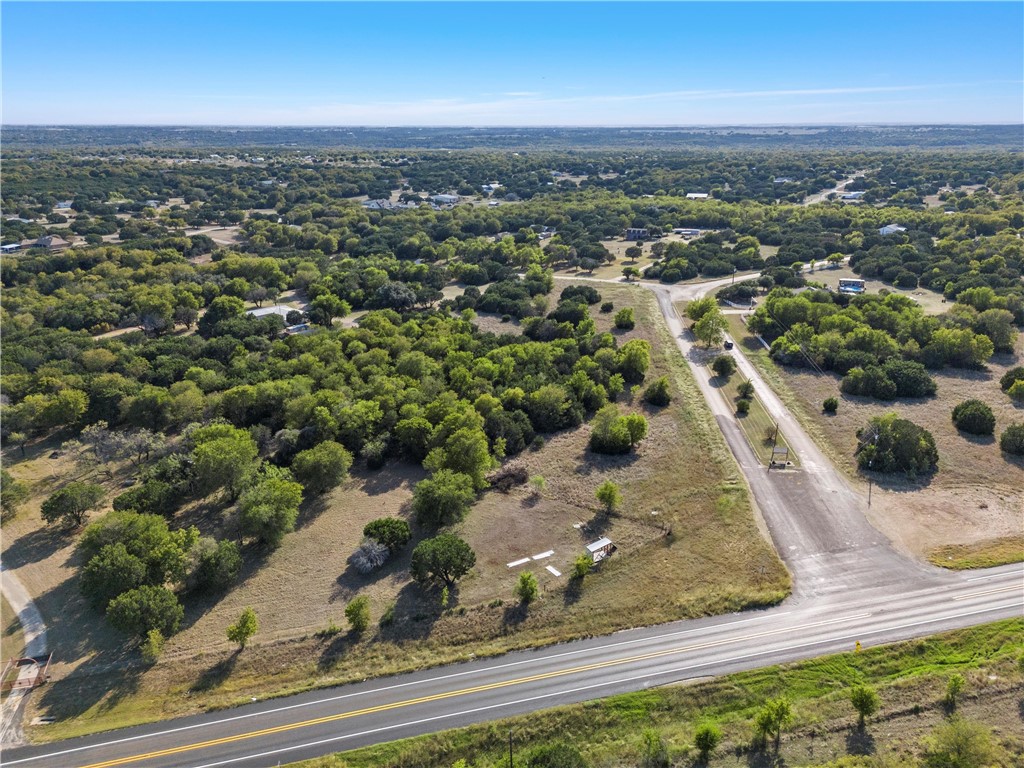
688	544
971	510
12	639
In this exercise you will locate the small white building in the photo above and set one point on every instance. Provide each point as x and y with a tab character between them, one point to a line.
782	180
697	195
600	549
891	229
277	309
445	199
685	232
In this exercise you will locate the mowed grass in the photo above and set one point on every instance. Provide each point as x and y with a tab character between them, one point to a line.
758	426
985	554
688	546
975	498
909	677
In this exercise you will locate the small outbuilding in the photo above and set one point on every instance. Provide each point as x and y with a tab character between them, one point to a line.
601	548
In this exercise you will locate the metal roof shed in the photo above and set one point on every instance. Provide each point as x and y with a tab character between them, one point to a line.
600	549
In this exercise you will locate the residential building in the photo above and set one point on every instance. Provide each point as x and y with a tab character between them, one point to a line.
637	233
891	229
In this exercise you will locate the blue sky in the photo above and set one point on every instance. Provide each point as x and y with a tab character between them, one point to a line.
511	63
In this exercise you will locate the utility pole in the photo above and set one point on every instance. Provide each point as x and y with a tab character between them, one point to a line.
775	440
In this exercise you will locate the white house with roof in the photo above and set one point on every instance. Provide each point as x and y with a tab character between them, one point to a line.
445	199
697	195
891	229
277	309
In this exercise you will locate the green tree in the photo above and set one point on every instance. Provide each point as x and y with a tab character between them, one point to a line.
110	573
609	495
634	358
892	444
445	558
697	308
866	701
443	498
724	366
322	467
268	510
959	743
706	739
242	630
710	329
526	587
772	718
223	458
466	452
358	614
624	319
216	564
72	503
143	609
13	494
392	532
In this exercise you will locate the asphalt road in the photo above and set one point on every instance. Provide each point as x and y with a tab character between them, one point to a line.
850	586
285	730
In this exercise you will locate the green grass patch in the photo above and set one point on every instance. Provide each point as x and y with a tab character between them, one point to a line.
758	426
982	554
910	678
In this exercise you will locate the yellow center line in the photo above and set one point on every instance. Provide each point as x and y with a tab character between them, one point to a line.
448	695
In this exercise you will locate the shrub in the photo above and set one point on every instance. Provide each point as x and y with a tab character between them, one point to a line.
608	306
388	617
370	555
892	444
1012	440
831	405
742	406
975	417
865	700
557	755
152	646
392	532
1016	390
581	566
609	495
587	293
358	614
706	739
724	366
745	389
1010	377
526	587
657	392
624	319
954	687
959	743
